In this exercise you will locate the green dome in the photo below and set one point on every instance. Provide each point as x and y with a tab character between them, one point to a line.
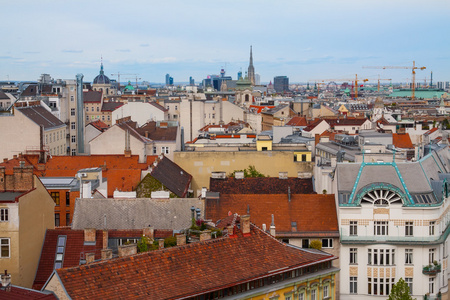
129	87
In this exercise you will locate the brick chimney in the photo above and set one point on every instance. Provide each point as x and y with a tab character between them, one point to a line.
316	139
245	224
149	232
106	254
22	179
90	258
127	250
230	230
105	239
181	239
205	235
89	236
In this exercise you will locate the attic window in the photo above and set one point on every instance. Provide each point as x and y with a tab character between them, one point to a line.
60	250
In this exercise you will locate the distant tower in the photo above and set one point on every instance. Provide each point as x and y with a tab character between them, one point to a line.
222	73
239	75
251	69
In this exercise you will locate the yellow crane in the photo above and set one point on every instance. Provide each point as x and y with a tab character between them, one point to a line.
118	78
413	69
379	79
355	80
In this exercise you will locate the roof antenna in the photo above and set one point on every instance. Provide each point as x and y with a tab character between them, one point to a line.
248	209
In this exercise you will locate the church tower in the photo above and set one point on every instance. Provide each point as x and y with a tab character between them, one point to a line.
251	69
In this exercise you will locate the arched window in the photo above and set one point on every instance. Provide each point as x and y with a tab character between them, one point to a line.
246	98
381	197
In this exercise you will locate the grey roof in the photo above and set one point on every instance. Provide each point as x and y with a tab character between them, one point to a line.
58	182
333	149
41	116
9	196
174	213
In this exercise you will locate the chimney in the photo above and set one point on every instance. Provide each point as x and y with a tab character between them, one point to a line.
127	250
283	175
272	227
161	244
204	192
205	235
230	230
149	232
5	160
2	179
316	139
22	178
146	134
105	239
90	258
89	236
181	239
218	175
6	281
239	175
106	254
245	224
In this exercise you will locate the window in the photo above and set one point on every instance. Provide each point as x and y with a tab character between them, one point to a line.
154	151
353	255
87	109
381	257
431	285
431	227
72	125
87	118
71	88
303	157
92	108
98	108
57	222
67	198
325	291
353	285
214	116
301	296
409	228
103	118
60	249
74	152
409	282
431	255
73	139
4	215
408	256
353	227
67	219
380	228
314	294
165	150
55	196
109	118
72	98
176	107
379	286
327	243
72	111
4	245
305	243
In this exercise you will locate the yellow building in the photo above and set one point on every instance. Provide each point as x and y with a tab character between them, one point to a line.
26	212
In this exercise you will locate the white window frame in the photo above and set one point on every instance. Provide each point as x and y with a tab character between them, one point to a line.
353	228
409	282
431	255
165	149
3	244
326	291
329	243
431	285
408	256
354	285
381	228
4	214
73	139
353	256
409	228
431	227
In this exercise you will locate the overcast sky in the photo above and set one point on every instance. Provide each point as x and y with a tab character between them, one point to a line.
304	40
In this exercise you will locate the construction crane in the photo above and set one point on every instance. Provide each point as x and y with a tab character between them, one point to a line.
346	79
379	82
413	69
136	78
118	78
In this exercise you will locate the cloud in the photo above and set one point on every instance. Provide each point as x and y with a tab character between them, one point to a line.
123	50
32	52
72	51
7	57
144	45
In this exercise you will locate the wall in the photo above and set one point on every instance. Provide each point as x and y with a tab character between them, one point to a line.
54	285
140	112
36	216
11	230
201	164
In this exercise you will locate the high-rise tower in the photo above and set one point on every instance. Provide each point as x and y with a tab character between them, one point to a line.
251	69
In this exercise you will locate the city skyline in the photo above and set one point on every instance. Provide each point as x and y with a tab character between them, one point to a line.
302	40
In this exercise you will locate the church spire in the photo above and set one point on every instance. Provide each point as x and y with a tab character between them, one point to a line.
251	69
101	67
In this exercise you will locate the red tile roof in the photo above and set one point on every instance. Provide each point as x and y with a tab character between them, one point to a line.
261	185
431	131
187	270
297	121
99	125
20	293
314	213
76	250
258	109
402	140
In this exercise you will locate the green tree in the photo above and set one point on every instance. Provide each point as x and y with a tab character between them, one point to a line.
249	172
400	291
316	244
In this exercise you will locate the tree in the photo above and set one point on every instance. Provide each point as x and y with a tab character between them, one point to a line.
249	172
400	291
315	244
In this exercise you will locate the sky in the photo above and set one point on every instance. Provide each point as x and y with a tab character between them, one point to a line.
306	40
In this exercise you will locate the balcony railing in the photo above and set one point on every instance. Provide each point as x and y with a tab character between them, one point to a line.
366	236
431	269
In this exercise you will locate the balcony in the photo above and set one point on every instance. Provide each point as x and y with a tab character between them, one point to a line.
431	269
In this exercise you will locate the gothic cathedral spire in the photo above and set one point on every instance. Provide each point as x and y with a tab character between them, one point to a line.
251	69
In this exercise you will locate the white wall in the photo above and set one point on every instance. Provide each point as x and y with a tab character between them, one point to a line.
140	112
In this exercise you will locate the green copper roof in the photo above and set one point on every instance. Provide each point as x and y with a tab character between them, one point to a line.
424	94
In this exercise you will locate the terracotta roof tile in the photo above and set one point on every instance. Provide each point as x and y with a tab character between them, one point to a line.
402	140
20	293
314	213
261	185
101	126
186	270
297	121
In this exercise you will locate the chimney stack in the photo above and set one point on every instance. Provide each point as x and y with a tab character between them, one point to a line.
181	239
316	139
6	281
90	258
230	230
161	244
106	254
283	175
105	239
245	224
149	232
272	227
127	250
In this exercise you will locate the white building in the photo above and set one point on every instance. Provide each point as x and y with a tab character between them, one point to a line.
393	219
140	112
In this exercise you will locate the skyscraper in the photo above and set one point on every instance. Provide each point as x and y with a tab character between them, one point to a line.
167	79
281	84
251	69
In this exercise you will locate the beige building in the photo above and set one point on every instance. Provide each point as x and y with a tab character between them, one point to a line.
26	212
202	162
